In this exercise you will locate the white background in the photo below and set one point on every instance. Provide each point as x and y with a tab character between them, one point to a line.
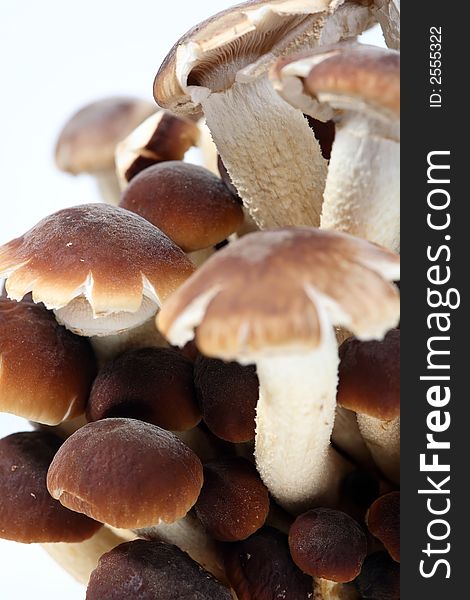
56	56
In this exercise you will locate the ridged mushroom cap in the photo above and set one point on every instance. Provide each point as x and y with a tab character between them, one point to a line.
150	570
236	43
88	140
188	203
383	521
329	544
28	514
126	473
274	290
151	384
110	259
46	372
233	502
369	376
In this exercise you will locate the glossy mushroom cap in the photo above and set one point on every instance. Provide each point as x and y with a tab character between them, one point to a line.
228	393
328	544
88	140
114	264
383	521
28	514
379	578
151	384
188	203
261	567
369	376
237	305
162	136
46	371
126	473
234	502
147	570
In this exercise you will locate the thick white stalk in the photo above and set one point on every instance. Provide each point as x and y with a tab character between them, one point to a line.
383	440
347	437
294	421
362	191
330	590
108	186
269	151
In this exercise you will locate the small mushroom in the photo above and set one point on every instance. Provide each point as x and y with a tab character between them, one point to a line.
46	372
221	66
272	299
359	87
379	578
369	384
146	570
102	269
383	521
161	137
88	140
233	502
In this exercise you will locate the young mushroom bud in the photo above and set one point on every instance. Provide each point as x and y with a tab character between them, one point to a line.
359	87
88	140
272	299
221	66
46	372
162	136
147	570
383	521
379	578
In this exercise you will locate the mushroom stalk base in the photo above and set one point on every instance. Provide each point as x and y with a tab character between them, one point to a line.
383	440
294	421
270	153
108	186
330	590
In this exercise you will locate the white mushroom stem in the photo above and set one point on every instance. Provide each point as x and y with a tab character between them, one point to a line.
108	186
269	151
387	13
189	535
347	437
383	440
294	421
330	590
362	191
198	257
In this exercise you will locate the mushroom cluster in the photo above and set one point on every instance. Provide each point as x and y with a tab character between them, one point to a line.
210	361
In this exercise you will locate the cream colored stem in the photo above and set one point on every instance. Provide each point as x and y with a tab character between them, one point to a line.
387	13
347	437
294	421
269	151
108	186
362	192
330	590
189	535
383	440
198	257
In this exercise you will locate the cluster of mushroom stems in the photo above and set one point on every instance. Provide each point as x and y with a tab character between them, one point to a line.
209	358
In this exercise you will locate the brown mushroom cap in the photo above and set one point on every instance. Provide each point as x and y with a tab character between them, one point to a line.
369	376
151	384
109	255
126	473
88	140
228	393
187	202
28	514
379	578
241	305
329	544
46	371
233	502
147	570
261	567
383	521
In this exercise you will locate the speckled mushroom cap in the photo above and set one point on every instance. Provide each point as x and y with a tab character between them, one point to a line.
342	77
125	473
188	203
110	259
162	136
329	544
88	140
147	570
236	43
274	290
28	514
369	376
151	384
383	521
45	371
233	502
